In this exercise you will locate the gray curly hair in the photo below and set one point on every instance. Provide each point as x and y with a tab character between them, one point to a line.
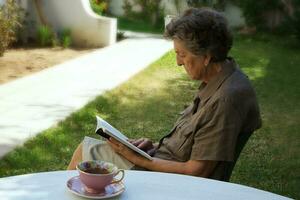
202	30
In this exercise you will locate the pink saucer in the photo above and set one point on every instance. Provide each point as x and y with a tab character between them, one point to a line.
77	187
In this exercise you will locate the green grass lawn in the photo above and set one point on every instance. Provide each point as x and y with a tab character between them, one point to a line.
148	104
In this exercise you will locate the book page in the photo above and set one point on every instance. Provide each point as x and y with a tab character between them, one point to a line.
107	127
113	132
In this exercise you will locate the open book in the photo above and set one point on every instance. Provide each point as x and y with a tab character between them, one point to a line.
106	130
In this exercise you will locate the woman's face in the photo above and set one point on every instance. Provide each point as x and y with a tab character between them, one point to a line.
193	64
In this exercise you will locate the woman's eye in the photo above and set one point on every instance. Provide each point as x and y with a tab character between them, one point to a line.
181	55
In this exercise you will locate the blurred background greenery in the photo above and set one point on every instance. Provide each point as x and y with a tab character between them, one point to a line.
280	17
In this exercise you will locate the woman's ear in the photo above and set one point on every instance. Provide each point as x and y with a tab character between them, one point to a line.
207	58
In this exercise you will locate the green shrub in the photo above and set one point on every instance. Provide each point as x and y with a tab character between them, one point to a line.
47	37
295	20
99	6
296	23
55	40
44	36
120	35
66	40
10	21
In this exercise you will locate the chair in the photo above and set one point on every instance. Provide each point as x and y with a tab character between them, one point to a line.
241	141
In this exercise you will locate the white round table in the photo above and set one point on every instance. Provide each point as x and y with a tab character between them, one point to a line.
139	185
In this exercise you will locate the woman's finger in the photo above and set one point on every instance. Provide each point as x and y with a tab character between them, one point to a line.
112	140
138	141
145	145
113	145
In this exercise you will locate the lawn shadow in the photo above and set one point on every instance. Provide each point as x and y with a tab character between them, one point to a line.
269	159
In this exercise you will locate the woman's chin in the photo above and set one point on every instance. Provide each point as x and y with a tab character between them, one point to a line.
195	78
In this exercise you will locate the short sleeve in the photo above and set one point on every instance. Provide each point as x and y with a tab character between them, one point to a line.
216	139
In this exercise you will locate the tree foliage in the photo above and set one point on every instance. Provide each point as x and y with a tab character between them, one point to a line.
99	6
10	21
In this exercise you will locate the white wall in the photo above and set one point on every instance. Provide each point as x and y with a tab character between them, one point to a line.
87	28
116	7
170	8
234	16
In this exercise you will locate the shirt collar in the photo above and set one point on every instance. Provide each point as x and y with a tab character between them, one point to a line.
206	90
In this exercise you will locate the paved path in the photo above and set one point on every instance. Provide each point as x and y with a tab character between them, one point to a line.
34	103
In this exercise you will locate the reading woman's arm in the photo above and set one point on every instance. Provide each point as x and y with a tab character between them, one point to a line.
201	168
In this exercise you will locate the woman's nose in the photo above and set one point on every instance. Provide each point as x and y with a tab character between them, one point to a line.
179	61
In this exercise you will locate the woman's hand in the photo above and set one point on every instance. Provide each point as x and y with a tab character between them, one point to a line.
144	144
124	151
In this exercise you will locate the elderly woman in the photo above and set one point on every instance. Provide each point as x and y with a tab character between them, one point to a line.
205	138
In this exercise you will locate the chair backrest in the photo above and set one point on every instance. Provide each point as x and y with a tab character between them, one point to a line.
241	141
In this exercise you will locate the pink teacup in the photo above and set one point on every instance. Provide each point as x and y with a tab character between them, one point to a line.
97	174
